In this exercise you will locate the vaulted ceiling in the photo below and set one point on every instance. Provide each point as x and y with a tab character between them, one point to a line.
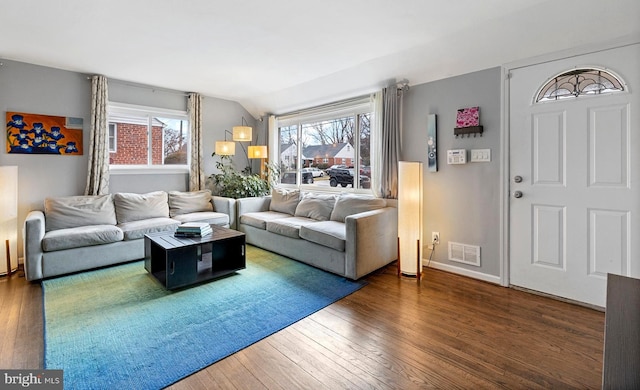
279	55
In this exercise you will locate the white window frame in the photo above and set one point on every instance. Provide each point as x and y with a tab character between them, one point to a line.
113	137
114	109
351	107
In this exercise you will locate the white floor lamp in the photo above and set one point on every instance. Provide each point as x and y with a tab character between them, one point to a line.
410	215
8	218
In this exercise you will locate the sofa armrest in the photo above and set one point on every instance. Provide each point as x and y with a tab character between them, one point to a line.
252	205
371	241
226	206
33	233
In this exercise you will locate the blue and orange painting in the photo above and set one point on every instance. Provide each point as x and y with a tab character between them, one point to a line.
43	134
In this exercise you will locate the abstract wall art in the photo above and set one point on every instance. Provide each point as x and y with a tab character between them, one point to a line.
43	134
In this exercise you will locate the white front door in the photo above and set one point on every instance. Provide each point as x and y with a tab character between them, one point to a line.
578	216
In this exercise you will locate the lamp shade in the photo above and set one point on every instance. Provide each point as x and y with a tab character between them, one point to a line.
242	133
259	151
410	217
225	148
8	218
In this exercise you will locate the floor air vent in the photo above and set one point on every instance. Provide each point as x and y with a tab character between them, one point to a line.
463	253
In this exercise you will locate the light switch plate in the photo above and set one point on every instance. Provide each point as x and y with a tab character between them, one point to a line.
480	155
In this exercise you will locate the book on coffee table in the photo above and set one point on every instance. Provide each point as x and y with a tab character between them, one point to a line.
193	229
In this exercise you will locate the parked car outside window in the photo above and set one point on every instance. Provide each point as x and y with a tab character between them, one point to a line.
333	167
344	177
314	171
290	178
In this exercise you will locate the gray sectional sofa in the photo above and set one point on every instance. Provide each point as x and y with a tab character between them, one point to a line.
349	235
79	233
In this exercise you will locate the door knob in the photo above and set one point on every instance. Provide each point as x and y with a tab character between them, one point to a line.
517	194
517	179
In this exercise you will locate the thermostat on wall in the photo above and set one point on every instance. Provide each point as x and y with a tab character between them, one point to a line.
457	156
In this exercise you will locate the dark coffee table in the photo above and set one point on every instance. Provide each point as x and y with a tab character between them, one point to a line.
179	262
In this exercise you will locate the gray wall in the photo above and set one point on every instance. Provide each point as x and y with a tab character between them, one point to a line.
39	90
42	90
461	202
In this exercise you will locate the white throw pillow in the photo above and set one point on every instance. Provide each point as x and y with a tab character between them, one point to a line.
284	200
348	204
74	211
316	206
135	207
189	202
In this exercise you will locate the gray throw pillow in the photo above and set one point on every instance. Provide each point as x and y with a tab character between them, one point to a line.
135	207
284	200
75	211
189	202
316	206
348	204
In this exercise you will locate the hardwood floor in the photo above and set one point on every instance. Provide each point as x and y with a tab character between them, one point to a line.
447	332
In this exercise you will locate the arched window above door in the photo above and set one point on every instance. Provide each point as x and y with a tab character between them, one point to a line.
579	82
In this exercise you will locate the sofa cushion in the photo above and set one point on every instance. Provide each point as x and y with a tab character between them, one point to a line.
289	227
316	206
259	219
135	207
284	200
331	234
137	229
75	211
349	204
76	237
210	217
189	202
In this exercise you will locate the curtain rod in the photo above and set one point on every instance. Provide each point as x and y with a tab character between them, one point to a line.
143	86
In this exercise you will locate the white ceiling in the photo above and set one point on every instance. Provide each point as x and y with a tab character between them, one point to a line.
279	55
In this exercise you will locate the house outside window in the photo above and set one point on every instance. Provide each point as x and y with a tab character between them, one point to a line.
147	138
323	138
113	136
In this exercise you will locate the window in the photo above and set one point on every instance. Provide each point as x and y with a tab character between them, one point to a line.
113	136
579	82
335	140
144	137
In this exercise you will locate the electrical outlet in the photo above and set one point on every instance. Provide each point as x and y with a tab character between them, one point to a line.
435	238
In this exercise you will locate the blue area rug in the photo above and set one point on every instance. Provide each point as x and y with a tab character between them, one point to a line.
117	328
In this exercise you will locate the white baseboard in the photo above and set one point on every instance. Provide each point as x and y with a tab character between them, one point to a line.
465	272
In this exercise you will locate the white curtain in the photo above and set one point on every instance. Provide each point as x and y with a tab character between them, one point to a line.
196	170
387	125
98	169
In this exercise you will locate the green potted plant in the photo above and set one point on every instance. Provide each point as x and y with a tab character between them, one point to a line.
233	184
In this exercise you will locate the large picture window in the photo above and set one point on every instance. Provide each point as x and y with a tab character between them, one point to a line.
328	147
146	137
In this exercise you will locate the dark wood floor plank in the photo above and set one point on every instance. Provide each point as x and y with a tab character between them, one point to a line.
471	331
326	361
300	354
357	347
446	332
402	342
30	325
267	363
353	372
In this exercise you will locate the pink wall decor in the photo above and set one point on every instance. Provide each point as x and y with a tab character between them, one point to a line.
468	117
